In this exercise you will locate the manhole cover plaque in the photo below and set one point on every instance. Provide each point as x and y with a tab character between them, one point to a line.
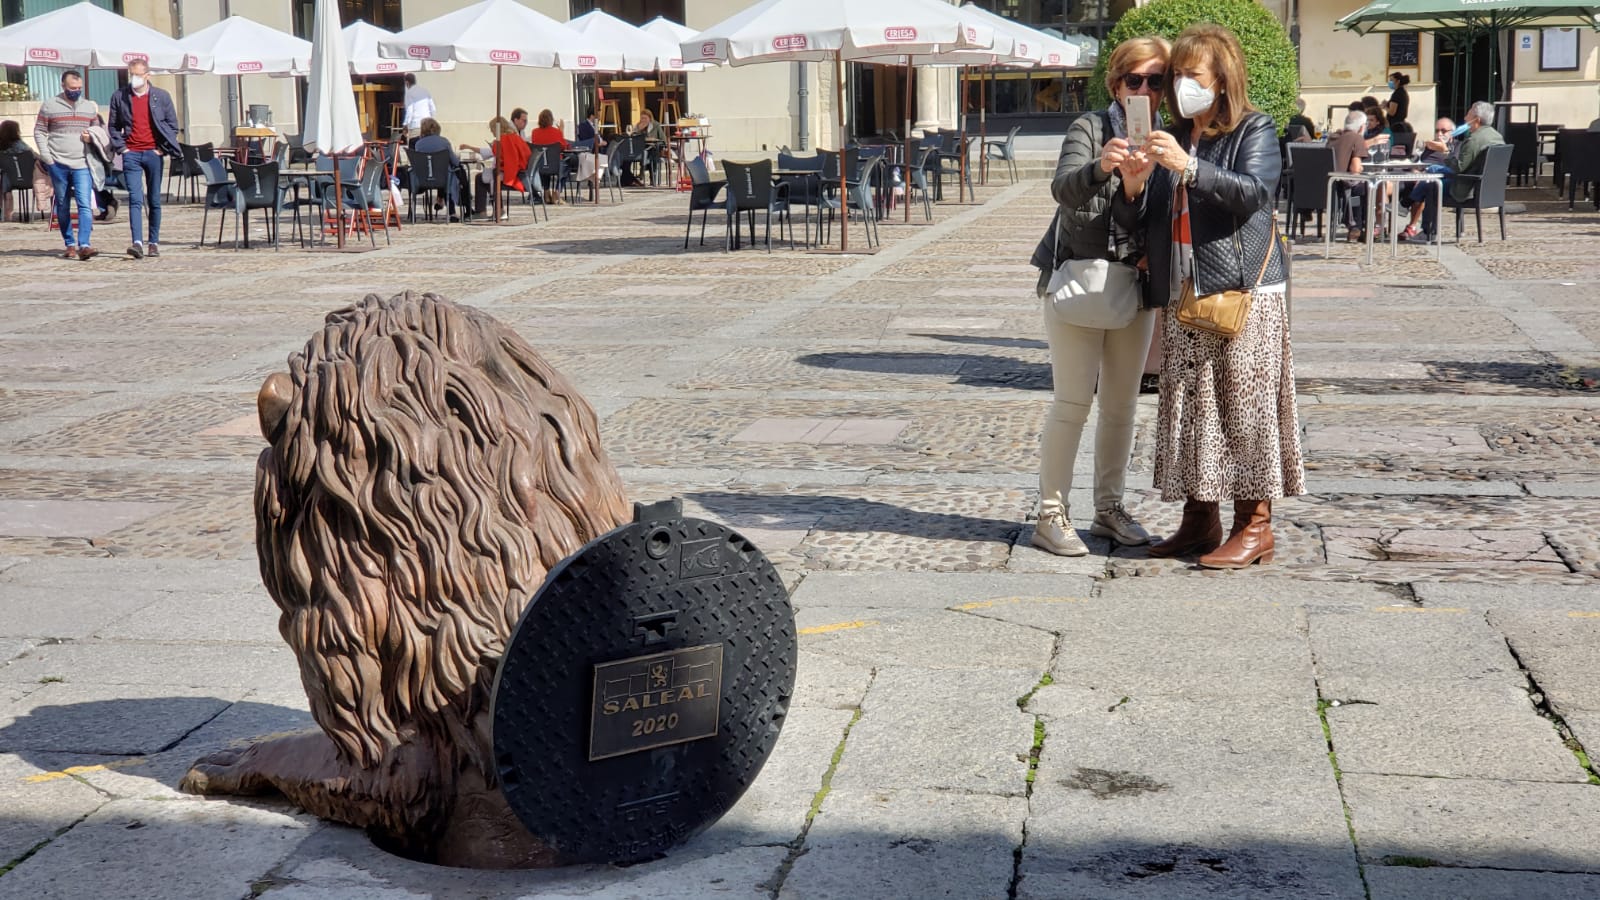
643	688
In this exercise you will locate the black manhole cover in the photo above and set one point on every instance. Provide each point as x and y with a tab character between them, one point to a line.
643	688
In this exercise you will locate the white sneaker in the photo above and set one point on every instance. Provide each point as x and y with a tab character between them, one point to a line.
1054	534
1114	522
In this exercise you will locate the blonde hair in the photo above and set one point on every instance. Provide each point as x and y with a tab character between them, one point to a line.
1132	53
1219	49
500	125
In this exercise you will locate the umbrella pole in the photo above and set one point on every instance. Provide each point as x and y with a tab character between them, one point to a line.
338	201
905	183
499	164
961	142
983	130
844	193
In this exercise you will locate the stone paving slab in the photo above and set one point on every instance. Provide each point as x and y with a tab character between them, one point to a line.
1558	650
155	849
258	666
1408	646
1409	883
976	739
50	612
925	590
37	805
1554	598
1476	823
1479	730
878	843
923	640
122	719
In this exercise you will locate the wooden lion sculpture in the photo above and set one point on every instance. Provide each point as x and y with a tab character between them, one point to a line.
425	470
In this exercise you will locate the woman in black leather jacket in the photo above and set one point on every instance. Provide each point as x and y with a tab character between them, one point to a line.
1227	427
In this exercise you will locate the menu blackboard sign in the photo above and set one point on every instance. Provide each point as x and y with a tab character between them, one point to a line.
1403	50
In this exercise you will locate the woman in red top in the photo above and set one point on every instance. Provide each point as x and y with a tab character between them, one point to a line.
549	132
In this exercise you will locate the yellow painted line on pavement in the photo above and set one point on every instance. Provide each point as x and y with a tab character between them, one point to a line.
989	604
837	626
1419	609
1583	615
70	771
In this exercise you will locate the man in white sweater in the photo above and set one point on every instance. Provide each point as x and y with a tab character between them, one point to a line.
62	136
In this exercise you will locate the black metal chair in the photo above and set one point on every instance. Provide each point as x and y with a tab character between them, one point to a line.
951	156
627	152
1488	190
545	171
805	189
16	177
1524	140
919	182
219	196
750	190
858	189
704	196
1312	164
1002	151
188	167
1582	164
256	187
431	174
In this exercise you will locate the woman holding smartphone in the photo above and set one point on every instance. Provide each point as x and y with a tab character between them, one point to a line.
1227	428
1085	182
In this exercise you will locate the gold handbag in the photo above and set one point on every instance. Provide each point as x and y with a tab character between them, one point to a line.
1224	313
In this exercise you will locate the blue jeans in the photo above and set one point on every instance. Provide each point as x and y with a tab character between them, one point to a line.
81	184
141	170
1425	193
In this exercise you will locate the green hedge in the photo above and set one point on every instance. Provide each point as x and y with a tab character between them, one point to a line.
1269	57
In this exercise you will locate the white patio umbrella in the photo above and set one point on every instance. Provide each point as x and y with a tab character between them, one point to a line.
1050	52
361	49
500	33
89	36
332	125
837	30
641	51
240	46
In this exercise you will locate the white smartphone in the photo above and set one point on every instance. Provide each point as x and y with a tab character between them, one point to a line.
1138	110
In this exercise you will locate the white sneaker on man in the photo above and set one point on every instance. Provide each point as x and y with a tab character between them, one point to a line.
1054	533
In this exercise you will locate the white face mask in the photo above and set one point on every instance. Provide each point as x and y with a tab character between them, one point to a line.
137	82
1193	99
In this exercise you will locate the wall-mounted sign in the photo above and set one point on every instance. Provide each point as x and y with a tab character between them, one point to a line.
1403	50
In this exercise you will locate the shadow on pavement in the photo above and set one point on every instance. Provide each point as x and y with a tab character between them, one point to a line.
798	512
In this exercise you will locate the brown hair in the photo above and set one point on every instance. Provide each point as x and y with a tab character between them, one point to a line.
429	126
1217	47
546	118
10	133
1377	113
1132	53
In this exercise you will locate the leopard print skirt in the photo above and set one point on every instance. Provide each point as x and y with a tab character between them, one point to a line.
1227	427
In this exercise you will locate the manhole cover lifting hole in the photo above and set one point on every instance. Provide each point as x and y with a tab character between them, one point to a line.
644	687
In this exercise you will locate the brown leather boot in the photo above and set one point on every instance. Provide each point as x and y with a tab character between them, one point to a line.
1199	532
1251	541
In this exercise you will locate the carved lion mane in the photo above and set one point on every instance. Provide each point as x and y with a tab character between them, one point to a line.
426	469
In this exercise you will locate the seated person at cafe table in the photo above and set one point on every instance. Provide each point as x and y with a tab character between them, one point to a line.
1467	159
429	140
589	130
1434	153
655	139
1349	148
549	132
507	155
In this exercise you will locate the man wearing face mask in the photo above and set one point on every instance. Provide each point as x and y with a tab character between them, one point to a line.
144	127
62	136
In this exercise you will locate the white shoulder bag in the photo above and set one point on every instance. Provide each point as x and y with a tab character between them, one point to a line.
1092	293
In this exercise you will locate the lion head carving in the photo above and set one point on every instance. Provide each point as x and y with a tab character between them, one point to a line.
426	468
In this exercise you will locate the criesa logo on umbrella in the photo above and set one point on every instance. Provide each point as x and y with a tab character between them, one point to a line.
902	35
130	57
504	56
708	50
249	67
789	42
418	51
388	67
1022	48
44	54
587	62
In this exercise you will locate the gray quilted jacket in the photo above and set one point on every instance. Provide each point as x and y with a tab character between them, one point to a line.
1084	194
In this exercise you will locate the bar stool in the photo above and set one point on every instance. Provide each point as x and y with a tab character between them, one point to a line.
670	113
610	115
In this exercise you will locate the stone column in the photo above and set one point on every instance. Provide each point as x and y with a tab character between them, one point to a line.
927	88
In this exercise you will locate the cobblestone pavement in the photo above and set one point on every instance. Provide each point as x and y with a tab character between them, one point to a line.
1396	709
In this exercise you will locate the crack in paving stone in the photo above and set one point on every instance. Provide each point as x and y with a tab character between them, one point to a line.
1338	779
8	867
797	847
1541	706
1039	735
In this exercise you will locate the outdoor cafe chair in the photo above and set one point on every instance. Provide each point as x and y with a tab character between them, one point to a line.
545	168
188	167
703	197
1004	151
431	175
1488	190
804	190
952	153
919	183
627	152
1312	164
750	190
219	196
1580	151
256	187
858	190
362	181
16	176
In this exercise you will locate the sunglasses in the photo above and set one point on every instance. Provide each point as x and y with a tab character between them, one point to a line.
1132	81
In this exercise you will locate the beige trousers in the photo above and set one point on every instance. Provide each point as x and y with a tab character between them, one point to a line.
1079	357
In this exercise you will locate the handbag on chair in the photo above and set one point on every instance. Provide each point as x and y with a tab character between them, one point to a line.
1224	313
